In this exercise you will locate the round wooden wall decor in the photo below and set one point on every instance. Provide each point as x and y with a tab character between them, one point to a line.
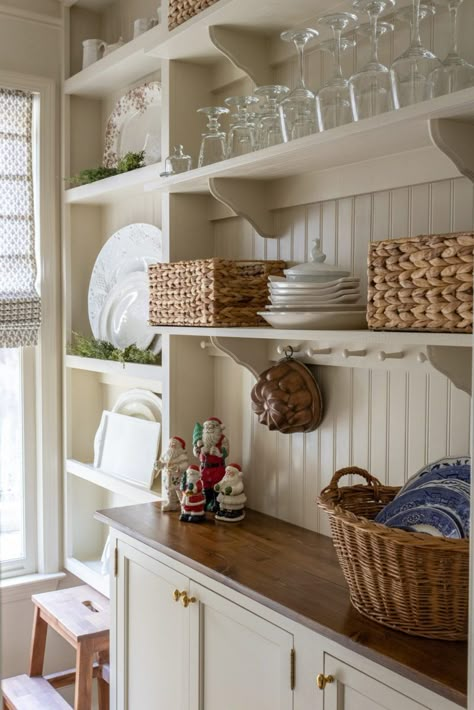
287	398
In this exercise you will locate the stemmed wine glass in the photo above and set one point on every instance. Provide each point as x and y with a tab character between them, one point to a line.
455	73
213	144
268	123
411	71
241	138
333	102
371	88
298	109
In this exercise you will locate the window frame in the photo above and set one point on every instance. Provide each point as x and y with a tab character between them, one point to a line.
42	365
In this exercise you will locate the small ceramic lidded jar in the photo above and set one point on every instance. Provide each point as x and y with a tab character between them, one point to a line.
316	270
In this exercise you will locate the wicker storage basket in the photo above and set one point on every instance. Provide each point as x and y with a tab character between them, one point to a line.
210	292
181	10
410	582
424	283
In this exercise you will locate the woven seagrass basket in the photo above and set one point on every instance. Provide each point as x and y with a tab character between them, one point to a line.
424	283
210	292
181	10
411	582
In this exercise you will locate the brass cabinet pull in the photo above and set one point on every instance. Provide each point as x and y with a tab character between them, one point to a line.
322	680
177	595
186	601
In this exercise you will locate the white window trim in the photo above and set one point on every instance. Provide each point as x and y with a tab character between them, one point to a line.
48	360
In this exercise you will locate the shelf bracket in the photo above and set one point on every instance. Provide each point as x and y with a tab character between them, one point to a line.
454	362
247	51
456	140
247	198
249	352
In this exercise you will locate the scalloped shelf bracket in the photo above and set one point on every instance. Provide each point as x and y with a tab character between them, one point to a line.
247	51
248	352
247	198
454	362
455	138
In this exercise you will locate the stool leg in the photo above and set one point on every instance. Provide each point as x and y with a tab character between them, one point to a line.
38	644
104	694
83	688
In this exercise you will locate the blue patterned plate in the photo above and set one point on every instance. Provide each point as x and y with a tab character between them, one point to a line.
432	521
456	483
455	502
454	467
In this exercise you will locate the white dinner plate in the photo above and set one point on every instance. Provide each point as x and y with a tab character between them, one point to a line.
323	320
129	250
124	316
282	282
314	300
139	403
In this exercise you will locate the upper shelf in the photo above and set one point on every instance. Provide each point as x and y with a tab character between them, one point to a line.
148	376
379	153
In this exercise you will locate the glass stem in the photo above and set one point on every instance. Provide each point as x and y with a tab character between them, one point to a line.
300	49
453	12
374	57
415	25
337	53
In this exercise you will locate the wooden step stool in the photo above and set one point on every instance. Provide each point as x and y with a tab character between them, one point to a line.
81	616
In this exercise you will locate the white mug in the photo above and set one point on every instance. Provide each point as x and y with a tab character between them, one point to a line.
112	47
143	24
93	49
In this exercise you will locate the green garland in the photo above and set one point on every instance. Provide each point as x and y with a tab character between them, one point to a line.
84	346
130	161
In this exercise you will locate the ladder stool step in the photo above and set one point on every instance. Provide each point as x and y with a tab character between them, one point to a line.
75	613
25	693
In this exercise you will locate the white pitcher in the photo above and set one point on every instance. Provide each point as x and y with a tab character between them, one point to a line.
93	49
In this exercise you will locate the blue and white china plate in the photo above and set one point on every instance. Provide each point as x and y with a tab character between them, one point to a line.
423	519
453	467
457	483
455	502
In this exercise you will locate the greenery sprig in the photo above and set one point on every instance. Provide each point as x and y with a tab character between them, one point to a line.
130	161
85	346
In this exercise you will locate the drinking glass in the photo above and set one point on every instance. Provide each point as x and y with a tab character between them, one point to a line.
213	144
268	124
455	73
372	88
241	138
298	109
411	72
333	102
177	162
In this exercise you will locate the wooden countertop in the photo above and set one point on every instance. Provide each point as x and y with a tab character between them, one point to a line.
296	573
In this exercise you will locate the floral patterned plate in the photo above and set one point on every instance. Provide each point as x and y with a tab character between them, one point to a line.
135	125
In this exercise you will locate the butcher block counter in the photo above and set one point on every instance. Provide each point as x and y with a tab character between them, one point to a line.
295	573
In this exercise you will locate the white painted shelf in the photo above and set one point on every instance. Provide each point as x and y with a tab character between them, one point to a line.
379	153
87	472
89	571
149	376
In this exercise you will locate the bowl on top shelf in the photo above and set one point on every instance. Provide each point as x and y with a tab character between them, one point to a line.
315	295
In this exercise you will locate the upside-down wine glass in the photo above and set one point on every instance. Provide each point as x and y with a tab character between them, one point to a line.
298	109
455	73
213	144
411	71
333	102
268	124
372	87
241	138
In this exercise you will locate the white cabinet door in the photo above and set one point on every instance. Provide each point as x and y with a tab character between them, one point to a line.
242	662
152	635
353	690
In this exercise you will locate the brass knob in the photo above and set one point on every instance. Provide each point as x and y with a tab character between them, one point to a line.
186	601
322	680
177	595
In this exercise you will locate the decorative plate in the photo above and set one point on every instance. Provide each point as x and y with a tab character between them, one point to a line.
454	466
424	519
139	403
134	125
124	315
130	250
454	482
455	502
347	318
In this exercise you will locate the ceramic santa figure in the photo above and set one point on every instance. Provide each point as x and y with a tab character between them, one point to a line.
210	445
175	463
231	498
193	500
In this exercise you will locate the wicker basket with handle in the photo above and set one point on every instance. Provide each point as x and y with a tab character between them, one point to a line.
411	582
210	292
181	10
421	283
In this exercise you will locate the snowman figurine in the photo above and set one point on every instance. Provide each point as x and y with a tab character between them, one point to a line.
230	495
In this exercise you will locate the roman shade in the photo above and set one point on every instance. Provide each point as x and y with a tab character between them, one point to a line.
20	308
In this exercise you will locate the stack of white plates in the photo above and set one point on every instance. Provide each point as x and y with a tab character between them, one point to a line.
304	295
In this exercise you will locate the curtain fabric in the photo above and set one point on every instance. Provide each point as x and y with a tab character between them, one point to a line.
20	308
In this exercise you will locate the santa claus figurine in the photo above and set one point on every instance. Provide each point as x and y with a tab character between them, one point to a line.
210	445
193	500
175	460
231	497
